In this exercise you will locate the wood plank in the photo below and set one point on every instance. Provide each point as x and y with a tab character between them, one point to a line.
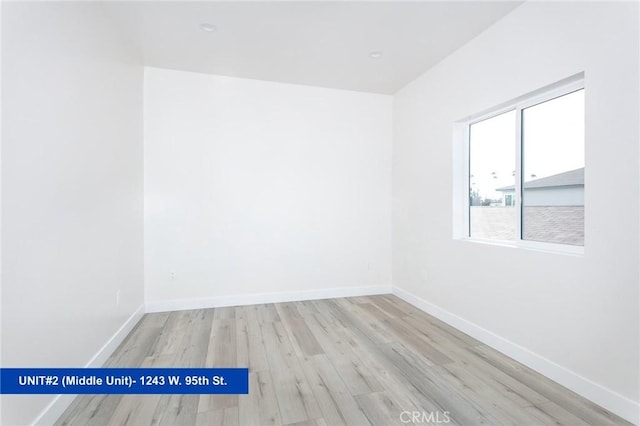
170	339
370	323
267	313
194	337
138	409
228	312
248	313
358	377
414	339
314	422
381	409
336	402
485	396
358	299
260	406
412	311
437	335
388	372
251	352
387	307
295	399
456	348
222	346
192	330
157	319
430	382
176	409
571	402
351	316
552	414
222	417
303	339
221	353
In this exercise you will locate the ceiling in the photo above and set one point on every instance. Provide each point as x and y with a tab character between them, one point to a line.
325	44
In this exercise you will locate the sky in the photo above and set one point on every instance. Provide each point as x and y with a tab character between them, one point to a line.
553	142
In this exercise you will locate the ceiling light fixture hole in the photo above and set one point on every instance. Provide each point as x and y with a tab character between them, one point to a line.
207	27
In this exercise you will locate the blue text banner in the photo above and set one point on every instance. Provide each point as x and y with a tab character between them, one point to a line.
124	380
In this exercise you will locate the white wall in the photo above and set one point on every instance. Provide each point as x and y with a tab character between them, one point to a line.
562	196
72	204
580	313
254	187
565	196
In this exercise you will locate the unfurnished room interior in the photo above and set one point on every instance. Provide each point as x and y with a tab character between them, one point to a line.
381	213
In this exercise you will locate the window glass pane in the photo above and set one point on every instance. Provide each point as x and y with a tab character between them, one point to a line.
492	212
553	170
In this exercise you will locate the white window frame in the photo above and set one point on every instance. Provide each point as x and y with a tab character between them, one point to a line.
461	135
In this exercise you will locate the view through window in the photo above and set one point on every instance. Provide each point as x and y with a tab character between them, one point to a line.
538	195
553	170
492	153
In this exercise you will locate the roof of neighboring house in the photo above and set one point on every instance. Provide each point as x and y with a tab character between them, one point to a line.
570	178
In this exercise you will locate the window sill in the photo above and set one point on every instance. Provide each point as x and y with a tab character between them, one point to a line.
565	249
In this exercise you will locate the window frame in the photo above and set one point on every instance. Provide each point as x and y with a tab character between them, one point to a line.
462	157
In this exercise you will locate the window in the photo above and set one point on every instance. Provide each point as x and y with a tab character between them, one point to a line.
492	153
524	171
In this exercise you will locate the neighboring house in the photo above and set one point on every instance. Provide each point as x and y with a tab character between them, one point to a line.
563	189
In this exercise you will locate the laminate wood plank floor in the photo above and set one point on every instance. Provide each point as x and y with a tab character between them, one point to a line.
372	360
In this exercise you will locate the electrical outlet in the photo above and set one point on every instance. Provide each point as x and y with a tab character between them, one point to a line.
118	297
172	276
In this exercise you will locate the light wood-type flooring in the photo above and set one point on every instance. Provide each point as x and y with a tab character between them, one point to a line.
350	361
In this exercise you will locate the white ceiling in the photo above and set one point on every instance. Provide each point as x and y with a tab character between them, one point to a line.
323	44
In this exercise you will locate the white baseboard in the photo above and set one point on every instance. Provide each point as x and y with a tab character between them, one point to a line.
255	299
60	403
612	401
